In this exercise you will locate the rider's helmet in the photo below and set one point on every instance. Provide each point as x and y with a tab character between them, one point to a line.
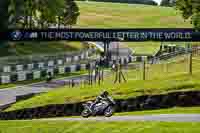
104	93
49	73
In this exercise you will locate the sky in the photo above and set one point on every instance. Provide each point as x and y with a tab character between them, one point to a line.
158	1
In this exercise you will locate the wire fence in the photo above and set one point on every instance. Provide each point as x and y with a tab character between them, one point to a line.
182	64
179	64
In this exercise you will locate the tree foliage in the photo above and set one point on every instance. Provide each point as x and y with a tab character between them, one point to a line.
190	9
3	15
168	2
3	20
41	13
70	14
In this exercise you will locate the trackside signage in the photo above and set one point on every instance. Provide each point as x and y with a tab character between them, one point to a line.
164	34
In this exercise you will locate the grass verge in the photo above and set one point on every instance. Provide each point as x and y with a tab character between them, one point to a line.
36	126
39	48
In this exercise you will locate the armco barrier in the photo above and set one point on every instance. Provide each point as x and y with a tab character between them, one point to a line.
24	75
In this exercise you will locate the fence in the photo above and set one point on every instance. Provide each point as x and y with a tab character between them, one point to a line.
22	72
149	68
196	50
179	64
42	63
38	74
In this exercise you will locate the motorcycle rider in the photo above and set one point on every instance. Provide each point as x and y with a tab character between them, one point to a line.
49	76
104	96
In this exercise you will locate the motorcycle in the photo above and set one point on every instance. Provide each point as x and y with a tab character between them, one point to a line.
103	108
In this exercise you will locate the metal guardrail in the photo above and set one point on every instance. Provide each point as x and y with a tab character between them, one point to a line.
170	55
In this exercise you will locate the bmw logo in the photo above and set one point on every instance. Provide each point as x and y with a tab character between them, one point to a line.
16	35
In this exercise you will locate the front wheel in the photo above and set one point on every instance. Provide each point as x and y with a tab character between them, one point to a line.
85	113
108	112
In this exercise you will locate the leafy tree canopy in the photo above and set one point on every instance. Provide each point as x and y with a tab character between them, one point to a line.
41	13
190	9
168	2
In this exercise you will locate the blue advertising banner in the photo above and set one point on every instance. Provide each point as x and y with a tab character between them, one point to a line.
187	35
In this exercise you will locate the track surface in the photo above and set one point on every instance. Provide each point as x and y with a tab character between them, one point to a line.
8	96
162	117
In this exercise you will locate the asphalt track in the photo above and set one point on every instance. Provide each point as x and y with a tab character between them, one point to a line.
8	96
161	117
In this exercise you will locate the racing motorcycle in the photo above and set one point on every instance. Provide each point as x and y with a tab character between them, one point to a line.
105	108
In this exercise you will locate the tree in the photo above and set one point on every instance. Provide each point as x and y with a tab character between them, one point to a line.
190	9
71	13
168	2
49	10
41	13
19	12
3	20
3	15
